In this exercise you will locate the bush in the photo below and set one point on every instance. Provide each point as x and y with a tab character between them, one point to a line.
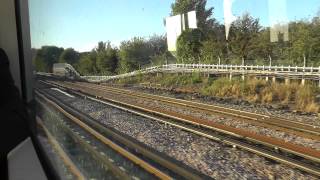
252	90
267	96
218	87
305	99
253	86
181	80
255	90
283	93
196	78
168	80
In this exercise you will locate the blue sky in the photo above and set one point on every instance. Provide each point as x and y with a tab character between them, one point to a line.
82	23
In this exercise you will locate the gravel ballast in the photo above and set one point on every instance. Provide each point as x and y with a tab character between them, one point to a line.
207	156
241	124
266	109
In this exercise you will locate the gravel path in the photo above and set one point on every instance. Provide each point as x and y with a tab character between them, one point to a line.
207	156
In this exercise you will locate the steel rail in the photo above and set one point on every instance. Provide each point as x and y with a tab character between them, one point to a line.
300	129
234	142
162	159
265	119
233	112
297	150
67	161
149	168
114	169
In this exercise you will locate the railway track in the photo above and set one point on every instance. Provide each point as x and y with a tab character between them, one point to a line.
281	124
73	169
267	119
275	122
167	170
266	141
81	144
304	159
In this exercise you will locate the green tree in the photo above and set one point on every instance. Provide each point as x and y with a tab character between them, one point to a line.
301	40
101	46
262	49
69	56
160	54
46	57
189	46
107	59
164	58
214	47
87	63
158	44
134	54
315	34
243	33
40	65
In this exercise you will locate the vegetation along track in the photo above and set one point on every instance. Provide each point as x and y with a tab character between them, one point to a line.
171	166
299	157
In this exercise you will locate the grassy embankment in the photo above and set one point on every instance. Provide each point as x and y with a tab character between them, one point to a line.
294	95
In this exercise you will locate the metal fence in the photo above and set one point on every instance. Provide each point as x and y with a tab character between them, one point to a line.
291	72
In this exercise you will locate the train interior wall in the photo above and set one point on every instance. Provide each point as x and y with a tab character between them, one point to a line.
9	39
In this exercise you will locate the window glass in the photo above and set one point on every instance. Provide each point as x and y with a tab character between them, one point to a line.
258	56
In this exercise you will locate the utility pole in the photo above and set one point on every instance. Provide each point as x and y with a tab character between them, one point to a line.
270	60
242	68
304	68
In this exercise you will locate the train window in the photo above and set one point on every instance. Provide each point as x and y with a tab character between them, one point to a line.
182	89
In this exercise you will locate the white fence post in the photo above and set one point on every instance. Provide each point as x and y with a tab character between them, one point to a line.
288	71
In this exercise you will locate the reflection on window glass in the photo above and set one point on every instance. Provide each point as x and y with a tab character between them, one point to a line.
278	20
